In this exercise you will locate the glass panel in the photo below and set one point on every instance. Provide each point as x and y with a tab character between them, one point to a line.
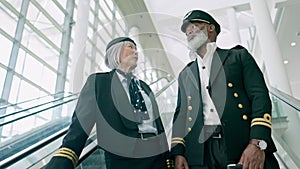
91	16
63	3
119	30
110	4
5	49
51	59
99	58
33	70
48	80
13	96
33	13
21	61
90	32
8	20
95	159
38	46
87	65
31	39
106	11
43	24
27	92
100	44
102	18
88	48
16	4
121	22
118	16
106	37
54	11
49	30
2	78
92	4
282	126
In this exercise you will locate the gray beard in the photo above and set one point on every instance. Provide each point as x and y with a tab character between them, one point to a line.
197	41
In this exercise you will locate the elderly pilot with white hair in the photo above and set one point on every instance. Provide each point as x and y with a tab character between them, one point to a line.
125	112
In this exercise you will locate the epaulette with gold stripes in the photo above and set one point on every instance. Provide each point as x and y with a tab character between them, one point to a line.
265	121
67	153
179	140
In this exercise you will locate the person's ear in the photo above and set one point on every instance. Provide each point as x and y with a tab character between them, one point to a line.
211	28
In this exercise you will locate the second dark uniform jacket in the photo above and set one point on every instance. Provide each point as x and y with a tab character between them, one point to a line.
239	92
104	102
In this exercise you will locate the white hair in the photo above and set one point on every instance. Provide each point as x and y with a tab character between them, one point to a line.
112	56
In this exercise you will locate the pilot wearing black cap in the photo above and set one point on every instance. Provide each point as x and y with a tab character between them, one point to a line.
128	125
223	113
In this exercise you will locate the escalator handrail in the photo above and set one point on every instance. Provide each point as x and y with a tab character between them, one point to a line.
39	105
293	102
30	114
24	153
16	104
164	88
89	149
159	79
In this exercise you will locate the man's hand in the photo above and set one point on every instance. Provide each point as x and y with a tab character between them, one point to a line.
180	162
252	158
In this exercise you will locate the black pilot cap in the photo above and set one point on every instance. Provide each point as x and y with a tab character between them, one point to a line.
117	40
199	16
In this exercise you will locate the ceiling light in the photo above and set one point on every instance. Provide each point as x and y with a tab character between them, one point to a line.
293	44
285	62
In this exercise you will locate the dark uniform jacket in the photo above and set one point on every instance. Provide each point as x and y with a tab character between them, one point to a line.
239	92
104	102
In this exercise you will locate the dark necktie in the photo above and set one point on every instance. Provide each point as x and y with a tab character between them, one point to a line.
136	97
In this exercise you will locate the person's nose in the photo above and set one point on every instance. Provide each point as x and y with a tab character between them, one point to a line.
189	31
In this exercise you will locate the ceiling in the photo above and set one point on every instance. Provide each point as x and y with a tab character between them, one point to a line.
289	31
160	21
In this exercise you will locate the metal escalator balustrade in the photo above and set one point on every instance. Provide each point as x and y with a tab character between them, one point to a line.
282	105
31	125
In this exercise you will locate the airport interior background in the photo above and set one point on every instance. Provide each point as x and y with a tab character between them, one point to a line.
50	47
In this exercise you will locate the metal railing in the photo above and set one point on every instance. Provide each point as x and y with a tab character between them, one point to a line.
10	150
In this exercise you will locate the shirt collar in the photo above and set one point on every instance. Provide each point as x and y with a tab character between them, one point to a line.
210	47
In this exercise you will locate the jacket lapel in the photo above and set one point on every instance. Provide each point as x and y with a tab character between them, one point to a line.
195	72
217	63
122	102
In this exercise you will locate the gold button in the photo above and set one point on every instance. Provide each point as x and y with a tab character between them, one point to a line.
240	105
230	85
189	97
189	129
190	107
190	118
267	116
245	117
236	95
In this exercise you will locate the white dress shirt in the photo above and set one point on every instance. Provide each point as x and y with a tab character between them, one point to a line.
211	116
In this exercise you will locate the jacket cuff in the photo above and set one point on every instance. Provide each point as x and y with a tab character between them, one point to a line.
68	154
59	163
178	146
261	129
